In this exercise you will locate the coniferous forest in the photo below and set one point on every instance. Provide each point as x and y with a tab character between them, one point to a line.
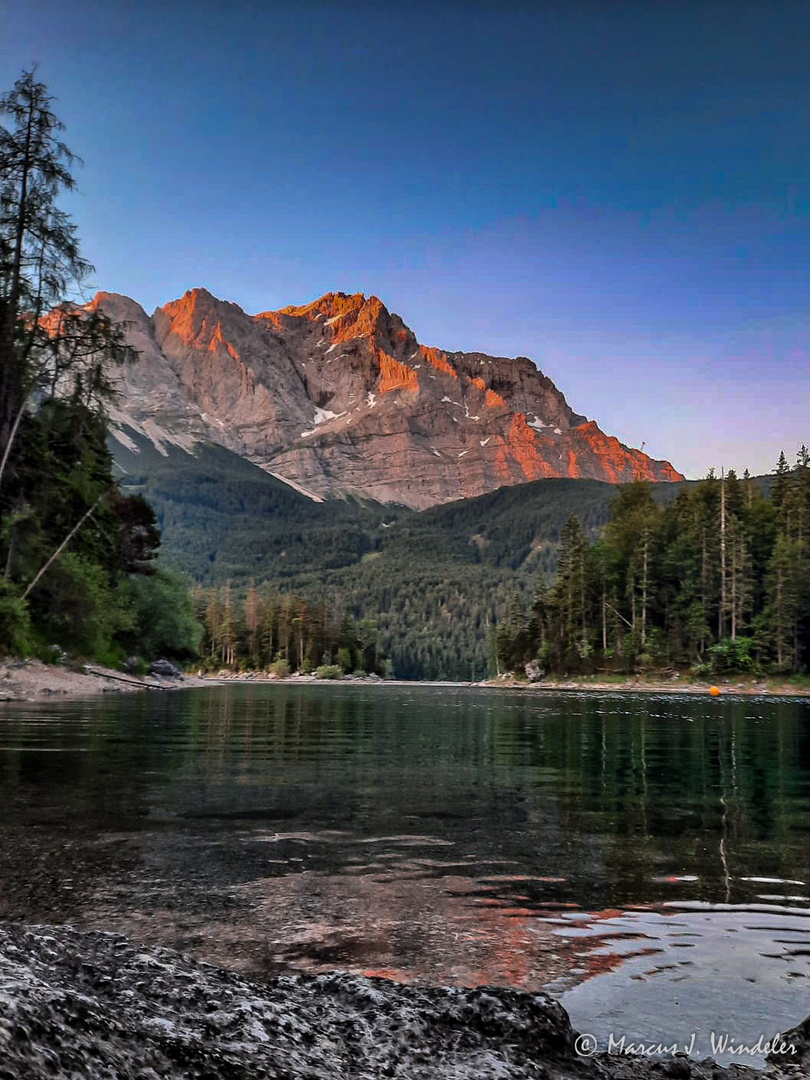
717	580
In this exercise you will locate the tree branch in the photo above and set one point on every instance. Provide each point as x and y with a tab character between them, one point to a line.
65	542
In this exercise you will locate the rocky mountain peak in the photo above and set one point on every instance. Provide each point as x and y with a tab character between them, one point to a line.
338	395
118	307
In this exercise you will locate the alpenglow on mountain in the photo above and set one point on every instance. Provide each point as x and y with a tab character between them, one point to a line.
337	396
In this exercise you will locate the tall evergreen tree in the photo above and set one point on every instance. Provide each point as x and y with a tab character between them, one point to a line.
68	350
782	483
252	623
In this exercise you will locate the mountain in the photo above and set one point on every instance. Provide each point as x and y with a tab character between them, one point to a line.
338	397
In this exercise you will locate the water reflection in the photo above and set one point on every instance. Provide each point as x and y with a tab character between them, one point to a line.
616	848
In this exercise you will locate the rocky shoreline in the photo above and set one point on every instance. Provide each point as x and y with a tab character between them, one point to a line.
35	681
99	1006
32	680
629	685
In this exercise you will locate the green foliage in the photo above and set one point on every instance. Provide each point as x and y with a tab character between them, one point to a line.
78	607
15	623
344	660
164	623
718	578
69	539
443	578
329	671
60	470
425	602
263	630
68	354
729	656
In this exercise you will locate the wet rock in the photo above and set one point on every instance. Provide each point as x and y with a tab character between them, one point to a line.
678	1068
534	673
165	669
799	1037
82	1005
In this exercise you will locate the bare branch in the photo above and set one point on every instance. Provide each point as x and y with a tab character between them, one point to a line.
65	542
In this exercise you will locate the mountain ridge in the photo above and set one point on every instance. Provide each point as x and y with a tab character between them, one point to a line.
338	396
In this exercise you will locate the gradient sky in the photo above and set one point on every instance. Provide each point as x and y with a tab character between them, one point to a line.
620	191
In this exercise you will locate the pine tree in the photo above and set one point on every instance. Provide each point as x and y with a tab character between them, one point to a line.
213	624
603	573
632	534
269	630
740	583
285	629
782	483
252	622
69	350
783	607
227	644
748	485
722	609
801	493
569	596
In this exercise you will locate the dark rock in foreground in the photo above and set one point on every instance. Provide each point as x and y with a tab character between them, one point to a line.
93	1005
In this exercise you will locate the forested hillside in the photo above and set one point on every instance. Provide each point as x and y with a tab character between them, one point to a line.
434	582
718	579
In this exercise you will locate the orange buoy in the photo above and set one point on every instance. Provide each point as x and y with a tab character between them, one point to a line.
713	691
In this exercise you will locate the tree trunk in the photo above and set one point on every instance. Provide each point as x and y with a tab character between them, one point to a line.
734	570
644	589
721	615
703	597
11	387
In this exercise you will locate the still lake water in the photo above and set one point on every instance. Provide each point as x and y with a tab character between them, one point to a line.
645	857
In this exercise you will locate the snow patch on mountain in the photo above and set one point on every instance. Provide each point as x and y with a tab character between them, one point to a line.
536	423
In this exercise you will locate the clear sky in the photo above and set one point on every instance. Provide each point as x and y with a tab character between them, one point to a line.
620	191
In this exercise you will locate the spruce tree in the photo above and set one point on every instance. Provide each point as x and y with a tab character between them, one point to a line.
47	345
782	483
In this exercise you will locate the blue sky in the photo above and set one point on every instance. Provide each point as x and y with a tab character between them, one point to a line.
620	191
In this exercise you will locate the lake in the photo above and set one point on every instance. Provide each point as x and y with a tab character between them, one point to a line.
644	857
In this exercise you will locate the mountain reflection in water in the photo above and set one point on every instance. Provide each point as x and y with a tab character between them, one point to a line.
644	856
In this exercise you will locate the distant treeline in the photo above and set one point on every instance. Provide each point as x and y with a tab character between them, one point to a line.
268	631
718	579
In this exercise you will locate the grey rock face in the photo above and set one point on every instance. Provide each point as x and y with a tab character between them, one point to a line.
339	396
